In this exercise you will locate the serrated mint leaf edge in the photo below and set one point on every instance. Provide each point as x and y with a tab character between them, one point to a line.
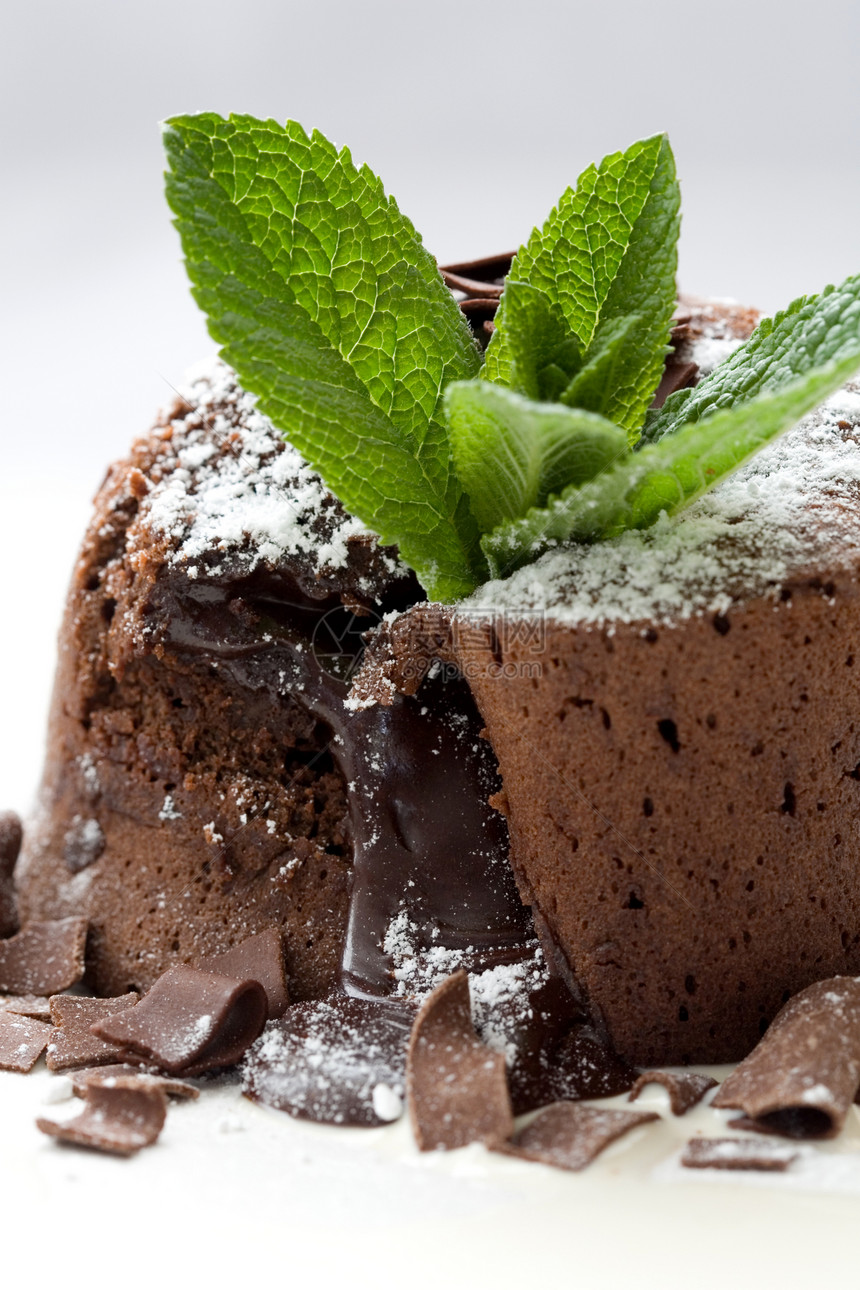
798	338
534	264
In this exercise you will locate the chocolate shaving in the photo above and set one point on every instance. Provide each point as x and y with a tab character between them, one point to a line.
684	1089
119	1118
72	1041
22	1042
11	835
43	958
749	1126
457	1087
677	375
190	1021
82	1080
258	958
37	1006
803	1076
569	1135
483	277
735	1153
335	1061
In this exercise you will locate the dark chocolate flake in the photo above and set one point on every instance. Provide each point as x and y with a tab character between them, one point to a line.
258	958
118	1118
43	958
72	1042
736	1153
82	1080
335	1061
190	1021
803	1076
27	1005
457	1086
685	1088
569	1135
22	1042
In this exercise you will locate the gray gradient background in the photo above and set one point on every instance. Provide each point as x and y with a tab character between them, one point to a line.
476	115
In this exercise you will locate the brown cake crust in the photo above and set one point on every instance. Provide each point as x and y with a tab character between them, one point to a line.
681	803
682	807
181	808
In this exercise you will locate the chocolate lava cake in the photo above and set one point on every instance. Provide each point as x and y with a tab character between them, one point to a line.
673	728
205	777
674	714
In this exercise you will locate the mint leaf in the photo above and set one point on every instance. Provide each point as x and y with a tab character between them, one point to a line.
608	250
810	332
512	453
538	339
595	385
668	475
332	312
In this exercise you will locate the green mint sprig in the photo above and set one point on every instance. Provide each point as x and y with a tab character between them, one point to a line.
666	476
333	314
607	251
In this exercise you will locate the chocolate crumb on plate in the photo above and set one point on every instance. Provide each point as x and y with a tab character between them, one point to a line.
72	1042
43	958
802	1078
457	1087
11	835
81	1080
37	1006
258	958
118	1118
336	1061
737	1153
190	1021
685	1088
22	1042
569	1135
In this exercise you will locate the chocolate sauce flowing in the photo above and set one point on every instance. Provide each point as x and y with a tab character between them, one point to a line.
426	845
418	775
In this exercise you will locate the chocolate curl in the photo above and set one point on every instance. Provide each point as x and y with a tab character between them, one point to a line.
457	1087
22	1042
43	958
118	1118
569	1135
72	1042
190	1021
101	1075
803	1076
735	1153
478	278
684	1089
258	958
37	1006
11	835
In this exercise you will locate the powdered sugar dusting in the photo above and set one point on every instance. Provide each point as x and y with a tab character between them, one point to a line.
717	341
231	483
795	505
500	996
